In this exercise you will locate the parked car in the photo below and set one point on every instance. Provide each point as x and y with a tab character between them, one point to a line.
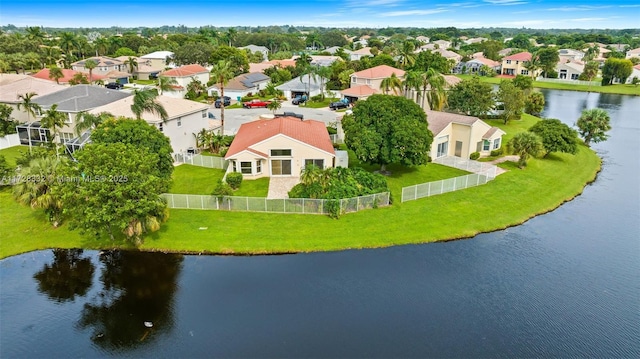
338	105
299	100
290	114
256	103
114	86
227	102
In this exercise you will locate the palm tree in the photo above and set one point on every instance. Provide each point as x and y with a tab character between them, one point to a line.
50	55
532	65
231	35
35	33
87	121
166	84
407	55
434	89
221	73
38	193
68	42
90	65
54	121
323	73
412	81
274	106
132	62
525	144
28	105
145	101
55	73
391	83
303	60
102	45
195	86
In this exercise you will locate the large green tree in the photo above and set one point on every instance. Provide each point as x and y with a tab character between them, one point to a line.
55	73
238	60
117	191
525	145
471	97
387	129
512	99
593	125
140	134
614	68
7	124
556	136
534	104
193	53
548	58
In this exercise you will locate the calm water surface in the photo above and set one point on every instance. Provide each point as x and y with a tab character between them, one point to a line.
565	284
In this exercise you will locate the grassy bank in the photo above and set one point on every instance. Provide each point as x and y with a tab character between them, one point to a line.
613	89
510	199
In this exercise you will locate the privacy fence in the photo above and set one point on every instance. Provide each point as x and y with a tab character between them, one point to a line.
200	160
286	205
571	82
484	173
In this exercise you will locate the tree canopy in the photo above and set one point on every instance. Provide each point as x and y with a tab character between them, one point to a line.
556	136
386	129
471	97
525	145
593	125
512	99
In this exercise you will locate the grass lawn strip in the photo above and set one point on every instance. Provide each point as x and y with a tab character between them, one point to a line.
510	199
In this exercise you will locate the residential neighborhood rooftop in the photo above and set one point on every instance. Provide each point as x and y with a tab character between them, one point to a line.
520	56
378	72
185	71
68	75
175	107
80	98
10	90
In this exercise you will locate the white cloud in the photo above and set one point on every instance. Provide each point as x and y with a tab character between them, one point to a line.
412	12
578	8
506	2
372	3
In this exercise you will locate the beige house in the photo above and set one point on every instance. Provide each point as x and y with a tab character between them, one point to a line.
157	59
104	65
13	85
633	53
183	76
460	135
373	77
185	118
359	54
514	65
282	146
569	70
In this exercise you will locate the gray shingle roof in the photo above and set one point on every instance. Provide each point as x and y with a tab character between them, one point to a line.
308	83
439	120
80	98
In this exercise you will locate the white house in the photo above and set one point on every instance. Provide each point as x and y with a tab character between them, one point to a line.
253	48
633	53
460	135
185	118
242	85
569	70
282	146
358	54
158	59
570	54
303	85
183	76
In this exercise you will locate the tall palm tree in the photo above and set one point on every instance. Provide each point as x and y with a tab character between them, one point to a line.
532	65
54	120
55	73
434	89
391	83
412	81
166	84
406	54
28	105
50	55
132	62
221	73
68	43
35	33
38	193
323	73
145	101
87	121
90	65
101	45
231	35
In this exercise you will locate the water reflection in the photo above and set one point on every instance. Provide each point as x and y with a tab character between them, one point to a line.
135	303
68	276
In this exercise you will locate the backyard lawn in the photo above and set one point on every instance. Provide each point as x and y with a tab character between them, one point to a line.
188	179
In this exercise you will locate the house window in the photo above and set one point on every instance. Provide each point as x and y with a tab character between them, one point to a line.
524	72
368	82
574	76
318	163
69	119
233	166
496	143
280	153
161	127
508	62
258	166
281	167
245	167
179	121
486	145
443	149
65	137
354	80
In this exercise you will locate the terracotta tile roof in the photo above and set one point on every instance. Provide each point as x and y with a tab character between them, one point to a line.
520	56
378	72
363	51
487	62
10	90
360	91
68	75
176	107
311	132
185	71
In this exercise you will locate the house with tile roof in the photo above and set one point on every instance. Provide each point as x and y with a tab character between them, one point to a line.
281	146
67	75
569	70
372	78
513	65
460	135
183	76
242	85
186	117
633	53
359	54
12	86
473	66
104	64
158	59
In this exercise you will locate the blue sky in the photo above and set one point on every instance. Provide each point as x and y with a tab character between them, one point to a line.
541	14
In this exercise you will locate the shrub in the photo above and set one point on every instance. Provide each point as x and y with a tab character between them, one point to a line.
222	189
474	155
316	98
498	152
234	179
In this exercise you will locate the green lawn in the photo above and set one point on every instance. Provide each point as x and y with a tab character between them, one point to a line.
612	89
188	179
11	153
510	199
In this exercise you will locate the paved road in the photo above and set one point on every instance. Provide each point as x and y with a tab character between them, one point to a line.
233	118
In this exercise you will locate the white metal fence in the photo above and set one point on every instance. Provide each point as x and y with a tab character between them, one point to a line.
9	141
286	205
571	82
336	139
483	173
202	161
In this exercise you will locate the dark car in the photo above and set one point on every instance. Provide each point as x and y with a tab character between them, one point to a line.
299	100
338	105
227	102
114	86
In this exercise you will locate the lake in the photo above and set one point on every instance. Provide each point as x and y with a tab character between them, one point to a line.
564	284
